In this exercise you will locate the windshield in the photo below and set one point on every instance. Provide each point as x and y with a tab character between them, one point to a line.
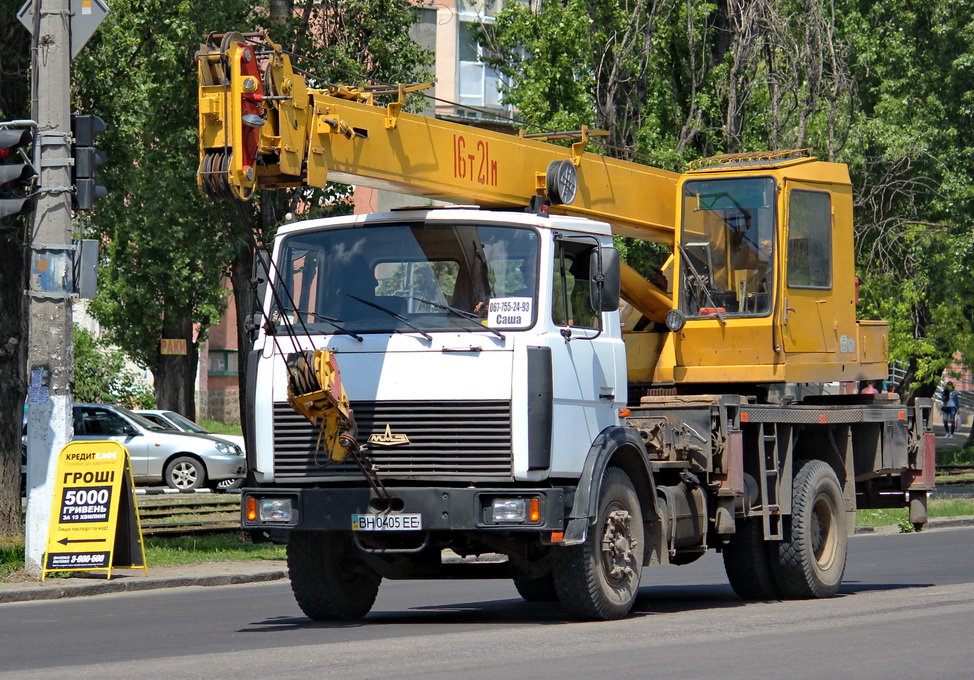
185	424
727	247
410	277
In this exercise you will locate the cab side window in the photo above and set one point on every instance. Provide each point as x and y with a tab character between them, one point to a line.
809	239
571	289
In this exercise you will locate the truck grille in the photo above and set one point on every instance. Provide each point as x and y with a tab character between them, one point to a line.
458	439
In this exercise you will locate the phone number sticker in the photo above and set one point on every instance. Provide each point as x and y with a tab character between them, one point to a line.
512	312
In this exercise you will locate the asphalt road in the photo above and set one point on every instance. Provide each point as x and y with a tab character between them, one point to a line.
906	611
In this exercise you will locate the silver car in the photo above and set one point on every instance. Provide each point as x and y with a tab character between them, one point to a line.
180	460
170	420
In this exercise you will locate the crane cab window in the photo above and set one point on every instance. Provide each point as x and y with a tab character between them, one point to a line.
727	247
809	239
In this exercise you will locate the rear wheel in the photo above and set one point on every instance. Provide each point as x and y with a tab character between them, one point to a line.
746	562
599	579
185	473
328	577
810	561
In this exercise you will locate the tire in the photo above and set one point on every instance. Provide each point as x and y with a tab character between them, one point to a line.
540	589
328	578
599	579
810	561
185	473
747	564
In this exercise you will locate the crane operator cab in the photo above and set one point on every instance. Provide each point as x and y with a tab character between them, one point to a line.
762	279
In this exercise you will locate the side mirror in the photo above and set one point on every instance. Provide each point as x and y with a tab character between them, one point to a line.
606	279
261	272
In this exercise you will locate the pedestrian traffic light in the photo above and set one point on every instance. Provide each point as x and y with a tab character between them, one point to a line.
16	175
87	158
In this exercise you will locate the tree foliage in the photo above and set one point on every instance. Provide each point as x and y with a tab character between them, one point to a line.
101	375
165	251
886	86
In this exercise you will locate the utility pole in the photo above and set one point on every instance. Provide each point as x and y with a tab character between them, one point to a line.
51	353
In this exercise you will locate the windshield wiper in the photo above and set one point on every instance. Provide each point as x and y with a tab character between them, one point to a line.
328	320
394	315
470	316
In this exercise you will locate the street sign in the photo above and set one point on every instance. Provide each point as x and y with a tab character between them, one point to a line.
86	17
94	522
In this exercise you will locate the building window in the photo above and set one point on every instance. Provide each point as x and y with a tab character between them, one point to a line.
222	362
478	84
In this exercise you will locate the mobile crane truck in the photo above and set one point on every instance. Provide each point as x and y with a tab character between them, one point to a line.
435	384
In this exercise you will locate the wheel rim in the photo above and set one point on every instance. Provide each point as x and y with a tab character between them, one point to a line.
184	475
824	535
618	545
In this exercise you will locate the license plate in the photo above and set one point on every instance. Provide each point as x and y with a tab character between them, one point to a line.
402	522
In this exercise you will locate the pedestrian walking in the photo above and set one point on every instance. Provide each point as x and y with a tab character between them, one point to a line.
951	402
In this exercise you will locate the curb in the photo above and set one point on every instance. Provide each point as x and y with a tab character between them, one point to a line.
123	584
87	588
939	523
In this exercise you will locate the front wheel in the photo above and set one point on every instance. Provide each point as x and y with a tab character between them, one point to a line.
599	579
541	589
328	577
810	561
185	474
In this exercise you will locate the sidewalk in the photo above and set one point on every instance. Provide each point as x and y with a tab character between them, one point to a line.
131	580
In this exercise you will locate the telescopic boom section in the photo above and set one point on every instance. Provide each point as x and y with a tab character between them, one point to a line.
261	125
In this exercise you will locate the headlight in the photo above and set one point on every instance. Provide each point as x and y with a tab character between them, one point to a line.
227	447
515	510
509	510
275	510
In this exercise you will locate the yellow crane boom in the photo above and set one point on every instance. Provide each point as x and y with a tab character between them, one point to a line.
271	130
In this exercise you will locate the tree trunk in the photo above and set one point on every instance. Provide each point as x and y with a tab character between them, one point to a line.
174	378
13	363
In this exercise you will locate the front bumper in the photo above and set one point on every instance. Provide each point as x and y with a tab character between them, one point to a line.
225	466
442	508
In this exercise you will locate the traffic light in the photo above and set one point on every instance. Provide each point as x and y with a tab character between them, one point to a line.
16	175
87	158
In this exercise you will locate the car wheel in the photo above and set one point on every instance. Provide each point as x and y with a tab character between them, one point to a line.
227	484
185	474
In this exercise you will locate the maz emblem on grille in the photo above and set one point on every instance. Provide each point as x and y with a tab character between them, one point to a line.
387	438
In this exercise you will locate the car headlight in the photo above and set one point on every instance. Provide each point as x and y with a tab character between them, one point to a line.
227	447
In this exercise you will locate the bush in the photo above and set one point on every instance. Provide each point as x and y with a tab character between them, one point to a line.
100	375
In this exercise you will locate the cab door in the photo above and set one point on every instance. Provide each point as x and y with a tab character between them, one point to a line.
588	381
808	314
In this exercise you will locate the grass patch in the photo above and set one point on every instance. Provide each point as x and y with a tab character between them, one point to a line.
217	427
937	507
163	551
11	555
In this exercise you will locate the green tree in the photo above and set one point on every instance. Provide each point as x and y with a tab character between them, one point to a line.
165	251
101	375
358	42
910	153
